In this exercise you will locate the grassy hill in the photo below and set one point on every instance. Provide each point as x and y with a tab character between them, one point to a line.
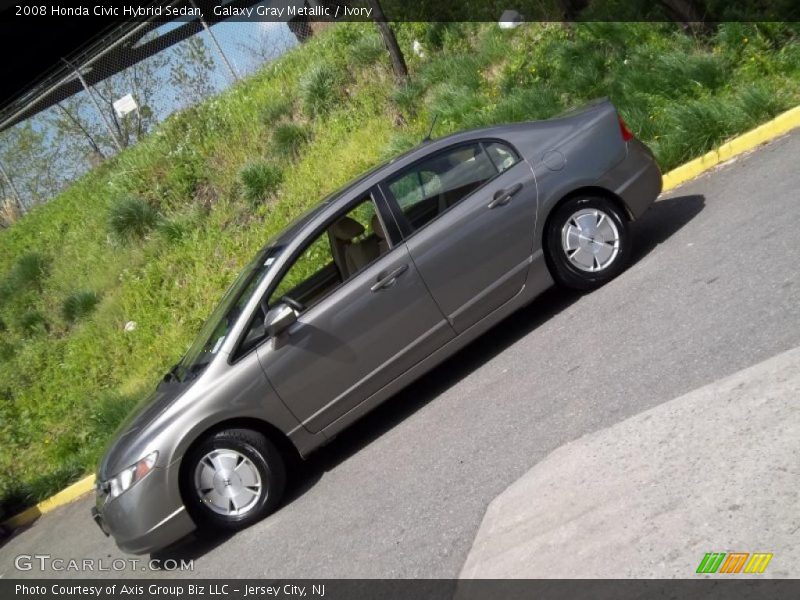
102	289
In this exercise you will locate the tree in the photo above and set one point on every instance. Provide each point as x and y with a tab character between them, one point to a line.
270	40
81	132
143	81
32	165
190	72
398	60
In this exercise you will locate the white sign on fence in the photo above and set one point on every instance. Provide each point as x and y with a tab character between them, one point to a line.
125	106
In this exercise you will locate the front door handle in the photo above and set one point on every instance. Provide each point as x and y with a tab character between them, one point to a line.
503	197
388	279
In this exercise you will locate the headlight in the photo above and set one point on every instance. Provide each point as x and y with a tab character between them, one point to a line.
124	480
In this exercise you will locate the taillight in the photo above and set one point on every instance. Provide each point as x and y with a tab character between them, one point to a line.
627	135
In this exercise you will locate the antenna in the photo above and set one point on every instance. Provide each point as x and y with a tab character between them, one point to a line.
427	138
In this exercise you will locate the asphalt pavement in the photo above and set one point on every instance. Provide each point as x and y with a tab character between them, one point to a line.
713	289
713	472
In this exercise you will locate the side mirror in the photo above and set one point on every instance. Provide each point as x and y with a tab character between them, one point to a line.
278	319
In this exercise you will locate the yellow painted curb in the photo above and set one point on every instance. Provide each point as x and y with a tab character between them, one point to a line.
781	124
65	496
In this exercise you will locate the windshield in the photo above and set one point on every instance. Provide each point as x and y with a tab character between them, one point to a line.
218	326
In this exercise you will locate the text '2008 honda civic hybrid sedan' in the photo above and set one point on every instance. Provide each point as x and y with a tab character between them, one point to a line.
360	296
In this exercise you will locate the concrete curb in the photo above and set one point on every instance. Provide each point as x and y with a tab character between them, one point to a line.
770	130
65	496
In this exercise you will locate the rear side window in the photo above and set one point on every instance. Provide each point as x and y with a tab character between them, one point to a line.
502	156
433	186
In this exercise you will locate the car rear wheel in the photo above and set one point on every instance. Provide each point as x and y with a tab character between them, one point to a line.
232	479
587	242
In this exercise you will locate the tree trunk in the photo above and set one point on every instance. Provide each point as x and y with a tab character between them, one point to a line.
82	129
570	9
398	61
687	14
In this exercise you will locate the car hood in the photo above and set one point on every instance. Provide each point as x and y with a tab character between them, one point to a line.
117	453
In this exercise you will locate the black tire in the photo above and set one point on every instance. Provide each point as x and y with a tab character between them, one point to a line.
564	272
262	454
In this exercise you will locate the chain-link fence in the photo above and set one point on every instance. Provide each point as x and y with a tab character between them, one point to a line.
112	95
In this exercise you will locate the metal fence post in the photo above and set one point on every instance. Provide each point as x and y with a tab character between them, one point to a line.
100	111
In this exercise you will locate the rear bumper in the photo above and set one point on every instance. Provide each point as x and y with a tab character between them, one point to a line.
637	179
146	517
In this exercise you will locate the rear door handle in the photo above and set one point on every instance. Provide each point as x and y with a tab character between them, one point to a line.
388	279
503	197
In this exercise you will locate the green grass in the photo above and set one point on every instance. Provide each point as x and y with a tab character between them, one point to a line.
276	108
158	232
288	139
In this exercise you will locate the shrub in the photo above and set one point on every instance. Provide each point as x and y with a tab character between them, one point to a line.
759	103
367	50
539	102
288	138
277	108
320	88
32	322
408	98
30	271
695	126
132	218
260	179
458	70
672	75
78	305
454	104
172	230
7	351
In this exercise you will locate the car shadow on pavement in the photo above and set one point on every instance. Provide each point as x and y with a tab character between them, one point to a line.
664	219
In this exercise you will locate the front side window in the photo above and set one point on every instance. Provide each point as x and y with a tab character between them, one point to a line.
349	244
434	185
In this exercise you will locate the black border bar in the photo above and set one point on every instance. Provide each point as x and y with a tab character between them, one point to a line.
685	11
713	588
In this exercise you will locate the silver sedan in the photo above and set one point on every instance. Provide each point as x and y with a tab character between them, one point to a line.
360	296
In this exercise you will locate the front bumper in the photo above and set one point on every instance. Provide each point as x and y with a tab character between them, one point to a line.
147	517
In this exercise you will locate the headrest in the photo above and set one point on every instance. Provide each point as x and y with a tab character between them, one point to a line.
377	228
346	229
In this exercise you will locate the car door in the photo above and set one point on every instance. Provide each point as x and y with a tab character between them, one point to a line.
468	213
361	327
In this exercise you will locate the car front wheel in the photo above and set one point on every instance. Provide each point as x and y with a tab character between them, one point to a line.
232	479
587	242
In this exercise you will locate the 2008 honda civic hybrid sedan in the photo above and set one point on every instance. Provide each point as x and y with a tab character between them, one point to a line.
363	294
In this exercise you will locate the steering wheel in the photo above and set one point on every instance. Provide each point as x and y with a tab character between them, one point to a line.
292	303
